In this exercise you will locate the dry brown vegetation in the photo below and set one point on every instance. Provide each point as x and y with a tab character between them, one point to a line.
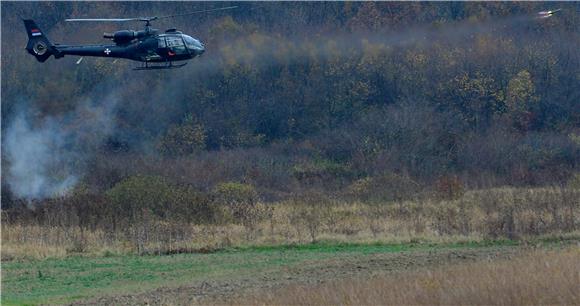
540	278
239	221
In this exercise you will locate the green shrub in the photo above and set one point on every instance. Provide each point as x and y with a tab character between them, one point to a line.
184	139
238	201
136	195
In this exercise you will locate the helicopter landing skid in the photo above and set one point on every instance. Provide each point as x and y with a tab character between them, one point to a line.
157	67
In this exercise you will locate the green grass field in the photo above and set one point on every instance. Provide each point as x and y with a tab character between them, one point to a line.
70	279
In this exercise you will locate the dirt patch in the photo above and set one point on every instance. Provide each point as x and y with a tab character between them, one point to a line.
308	272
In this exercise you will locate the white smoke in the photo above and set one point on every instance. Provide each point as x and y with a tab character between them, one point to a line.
47	157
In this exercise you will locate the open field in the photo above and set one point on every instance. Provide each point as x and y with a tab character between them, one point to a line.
53	255
48	257
537	278
226	274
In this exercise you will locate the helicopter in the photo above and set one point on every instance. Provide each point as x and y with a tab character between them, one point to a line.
547	14
148	46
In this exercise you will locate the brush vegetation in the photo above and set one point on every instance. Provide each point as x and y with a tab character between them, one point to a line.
231	216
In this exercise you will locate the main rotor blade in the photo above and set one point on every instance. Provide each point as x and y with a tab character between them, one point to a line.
150	18
197	12
103	19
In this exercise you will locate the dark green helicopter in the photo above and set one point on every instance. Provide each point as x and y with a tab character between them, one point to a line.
147	46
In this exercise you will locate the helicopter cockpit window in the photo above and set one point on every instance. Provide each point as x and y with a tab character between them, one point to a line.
192	43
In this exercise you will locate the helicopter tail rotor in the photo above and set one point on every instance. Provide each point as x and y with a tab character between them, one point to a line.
38	44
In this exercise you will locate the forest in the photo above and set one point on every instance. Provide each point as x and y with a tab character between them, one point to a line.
444	116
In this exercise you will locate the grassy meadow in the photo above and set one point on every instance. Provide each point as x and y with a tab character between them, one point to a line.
283	245
537	278
74	278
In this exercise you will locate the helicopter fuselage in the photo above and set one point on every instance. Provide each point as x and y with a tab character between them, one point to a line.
155	49
146	46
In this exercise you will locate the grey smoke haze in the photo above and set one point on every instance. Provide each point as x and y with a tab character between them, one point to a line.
46	157
33	164
266	51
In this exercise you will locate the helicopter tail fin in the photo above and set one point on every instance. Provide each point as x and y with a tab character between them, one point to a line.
38	44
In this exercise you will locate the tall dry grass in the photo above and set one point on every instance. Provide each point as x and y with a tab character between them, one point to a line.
540	278
476	215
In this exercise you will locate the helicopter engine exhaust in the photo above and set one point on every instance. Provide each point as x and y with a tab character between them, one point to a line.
121	37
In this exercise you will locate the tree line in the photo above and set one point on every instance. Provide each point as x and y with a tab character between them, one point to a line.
418	93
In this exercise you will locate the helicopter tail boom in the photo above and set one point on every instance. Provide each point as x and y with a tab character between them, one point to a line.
38	44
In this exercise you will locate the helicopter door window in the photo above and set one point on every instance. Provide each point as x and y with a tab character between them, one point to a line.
176	45
161	41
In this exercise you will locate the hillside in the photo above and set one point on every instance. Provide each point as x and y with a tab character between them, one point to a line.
482	92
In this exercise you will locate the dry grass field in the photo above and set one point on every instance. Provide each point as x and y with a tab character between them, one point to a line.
538	278
502	213
427	250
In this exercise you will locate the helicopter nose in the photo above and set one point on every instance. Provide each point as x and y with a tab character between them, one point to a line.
200	49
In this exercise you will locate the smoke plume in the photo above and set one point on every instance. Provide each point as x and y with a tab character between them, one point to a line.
46	157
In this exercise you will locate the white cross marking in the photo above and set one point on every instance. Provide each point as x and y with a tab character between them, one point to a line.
107	51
